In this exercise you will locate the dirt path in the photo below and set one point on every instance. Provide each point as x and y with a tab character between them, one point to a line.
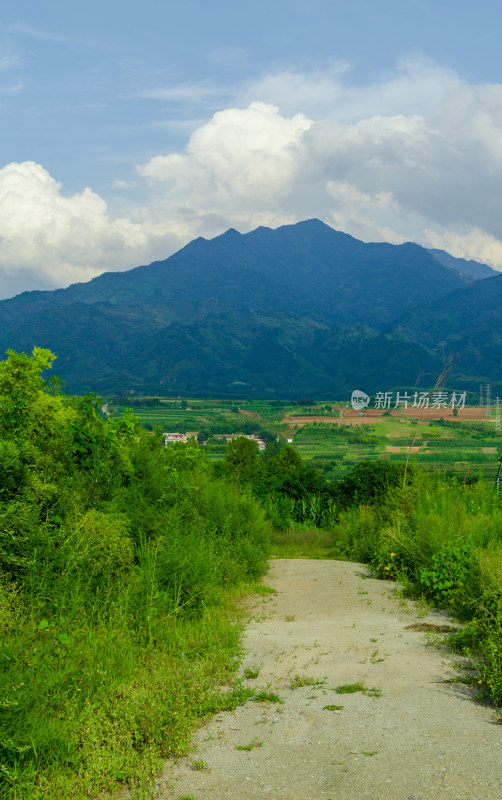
422	739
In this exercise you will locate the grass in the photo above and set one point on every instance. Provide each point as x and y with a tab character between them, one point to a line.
172	692
442	540
251	673
353	688
262	589
305	680
264	696
251	746
199	765
309	543
95	701
332	707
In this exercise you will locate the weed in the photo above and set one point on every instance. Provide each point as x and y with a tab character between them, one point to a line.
250	673
374	659
370	752
199	765
304	680
332	708
251	746
261	588
266	697
373	692
351	688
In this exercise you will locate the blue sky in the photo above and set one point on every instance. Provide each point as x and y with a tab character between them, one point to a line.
128	129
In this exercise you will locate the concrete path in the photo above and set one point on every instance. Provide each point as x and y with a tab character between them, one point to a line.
416	736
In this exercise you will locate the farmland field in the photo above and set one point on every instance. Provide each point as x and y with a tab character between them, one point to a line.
334	438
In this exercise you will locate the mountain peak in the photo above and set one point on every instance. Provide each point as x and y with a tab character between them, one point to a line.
229	235
265	308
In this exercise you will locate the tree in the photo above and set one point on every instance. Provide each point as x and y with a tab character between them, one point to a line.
21	383
241	457
370	481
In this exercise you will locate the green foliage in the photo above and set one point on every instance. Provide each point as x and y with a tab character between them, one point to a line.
241	457
351	688
305	680
281	337
448	574
114	553
442	539
369	482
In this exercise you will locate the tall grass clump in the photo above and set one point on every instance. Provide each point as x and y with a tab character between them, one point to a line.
443	540
117	561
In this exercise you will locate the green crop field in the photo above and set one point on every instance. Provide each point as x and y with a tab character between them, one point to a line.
437	445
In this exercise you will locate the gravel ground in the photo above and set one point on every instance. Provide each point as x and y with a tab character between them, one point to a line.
423	738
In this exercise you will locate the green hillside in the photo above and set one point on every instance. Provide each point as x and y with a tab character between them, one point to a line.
303	309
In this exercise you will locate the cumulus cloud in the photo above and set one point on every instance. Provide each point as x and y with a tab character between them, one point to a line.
396	177
239	166
48	240
414	156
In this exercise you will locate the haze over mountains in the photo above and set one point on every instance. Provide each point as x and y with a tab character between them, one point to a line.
303	309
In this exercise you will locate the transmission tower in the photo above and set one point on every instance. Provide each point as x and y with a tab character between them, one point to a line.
481	398
488	400
497	416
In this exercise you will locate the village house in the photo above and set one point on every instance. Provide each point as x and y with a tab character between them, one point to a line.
169	438
229	436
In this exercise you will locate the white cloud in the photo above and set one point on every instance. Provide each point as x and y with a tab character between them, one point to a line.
416	156
473	244
49	240
382	177
240	164
417	85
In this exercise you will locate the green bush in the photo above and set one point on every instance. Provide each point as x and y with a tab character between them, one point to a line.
448	578
114	552
443	540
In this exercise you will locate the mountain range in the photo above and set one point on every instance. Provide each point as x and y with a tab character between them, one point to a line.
300	310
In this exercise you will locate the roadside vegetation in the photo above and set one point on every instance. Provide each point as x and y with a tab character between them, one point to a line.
442	539
119	560
122	563
438	535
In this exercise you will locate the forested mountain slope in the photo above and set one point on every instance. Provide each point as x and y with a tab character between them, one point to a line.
303	308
